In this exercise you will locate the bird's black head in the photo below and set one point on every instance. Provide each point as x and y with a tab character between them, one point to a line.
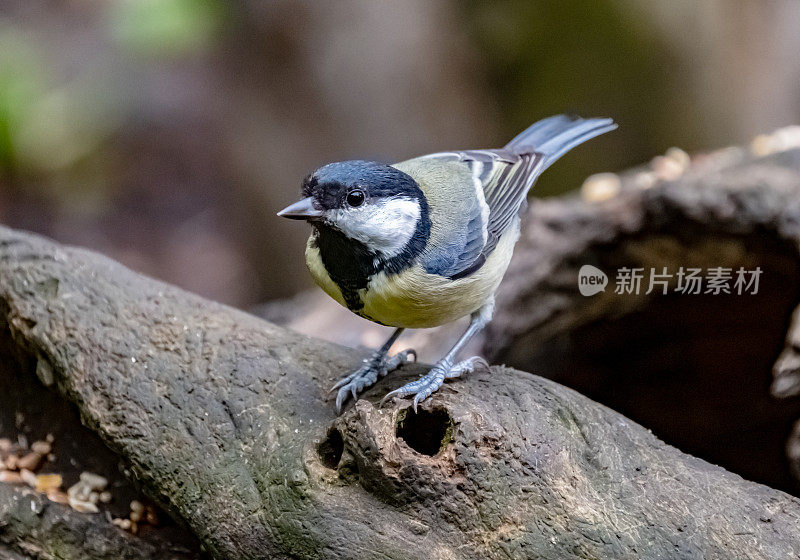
368	202
352	183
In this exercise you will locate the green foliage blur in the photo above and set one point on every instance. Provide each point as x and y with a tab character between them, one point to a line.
166	27
56	125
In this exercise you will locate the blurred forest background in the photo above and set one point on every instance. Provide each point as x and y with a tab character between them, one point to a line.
167	133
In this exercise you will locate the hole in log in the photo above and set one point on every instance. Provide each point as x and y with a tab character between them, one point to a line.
425	432
695	369
330	449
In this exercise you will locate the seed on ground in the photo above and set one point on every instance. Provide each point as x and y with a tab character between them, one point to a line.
32	461
152	517
58	496
41	447
10	476
137	506
94	481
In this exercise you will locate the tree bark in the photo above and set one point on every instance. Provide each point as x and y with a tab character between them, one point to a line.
226	421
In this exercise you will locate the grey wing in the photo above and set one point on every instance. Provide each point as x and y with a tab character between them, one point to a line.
502	180
503	177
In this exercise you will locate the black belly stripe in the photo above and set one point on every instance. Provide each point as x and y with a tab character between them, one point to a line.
351	264
348	262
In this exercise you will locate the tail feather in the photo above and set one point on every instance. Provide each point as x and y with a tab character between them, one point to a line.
555	136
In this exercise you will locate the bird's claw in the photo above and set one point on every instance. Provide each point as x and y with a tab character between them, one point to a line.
377	365
429	383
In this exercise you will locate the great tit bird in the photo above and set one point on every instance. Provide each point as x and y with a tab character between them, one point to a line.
426	241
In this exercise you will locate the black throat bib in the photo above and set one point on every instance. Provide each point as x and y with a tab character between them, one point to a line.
351	264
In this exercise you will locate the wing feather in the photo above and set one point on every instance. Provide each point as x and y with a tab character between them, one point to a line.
504	176
503	180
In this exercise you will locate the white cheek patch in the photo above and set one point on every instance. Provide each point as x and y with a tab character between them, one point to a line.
384	226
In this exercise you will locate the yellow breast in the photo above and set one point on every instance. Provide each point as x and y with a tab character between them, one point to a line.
416	299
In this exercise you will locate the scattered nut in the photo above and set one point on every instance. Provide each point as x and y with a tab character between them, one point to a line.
787	138
28	477
82	506
93	481
79	491
645	180
667	168
600	187
10	476
48	482
761	145
84	495
781	140
32	461
137	506
152	517
18	465
679	156
58	497
41	447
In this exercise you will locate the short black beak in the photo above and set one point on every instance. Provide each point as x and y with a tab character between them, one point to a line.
301	210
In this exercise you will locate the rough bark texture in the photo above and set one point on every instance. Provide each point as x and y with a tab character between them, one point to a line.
225	420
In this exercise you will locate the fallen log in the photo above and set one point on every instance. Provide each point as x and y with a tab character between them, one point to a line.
225	421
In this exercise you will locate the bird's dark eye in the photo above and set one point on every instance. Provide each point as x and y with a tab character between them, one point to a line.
355	198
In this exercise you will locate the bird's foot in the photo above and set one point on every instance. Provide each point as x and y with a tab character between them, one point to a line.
377	365
426	385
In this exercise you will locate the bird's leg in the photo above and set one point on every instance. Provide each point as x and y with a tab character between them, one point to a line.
446	368
376	365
